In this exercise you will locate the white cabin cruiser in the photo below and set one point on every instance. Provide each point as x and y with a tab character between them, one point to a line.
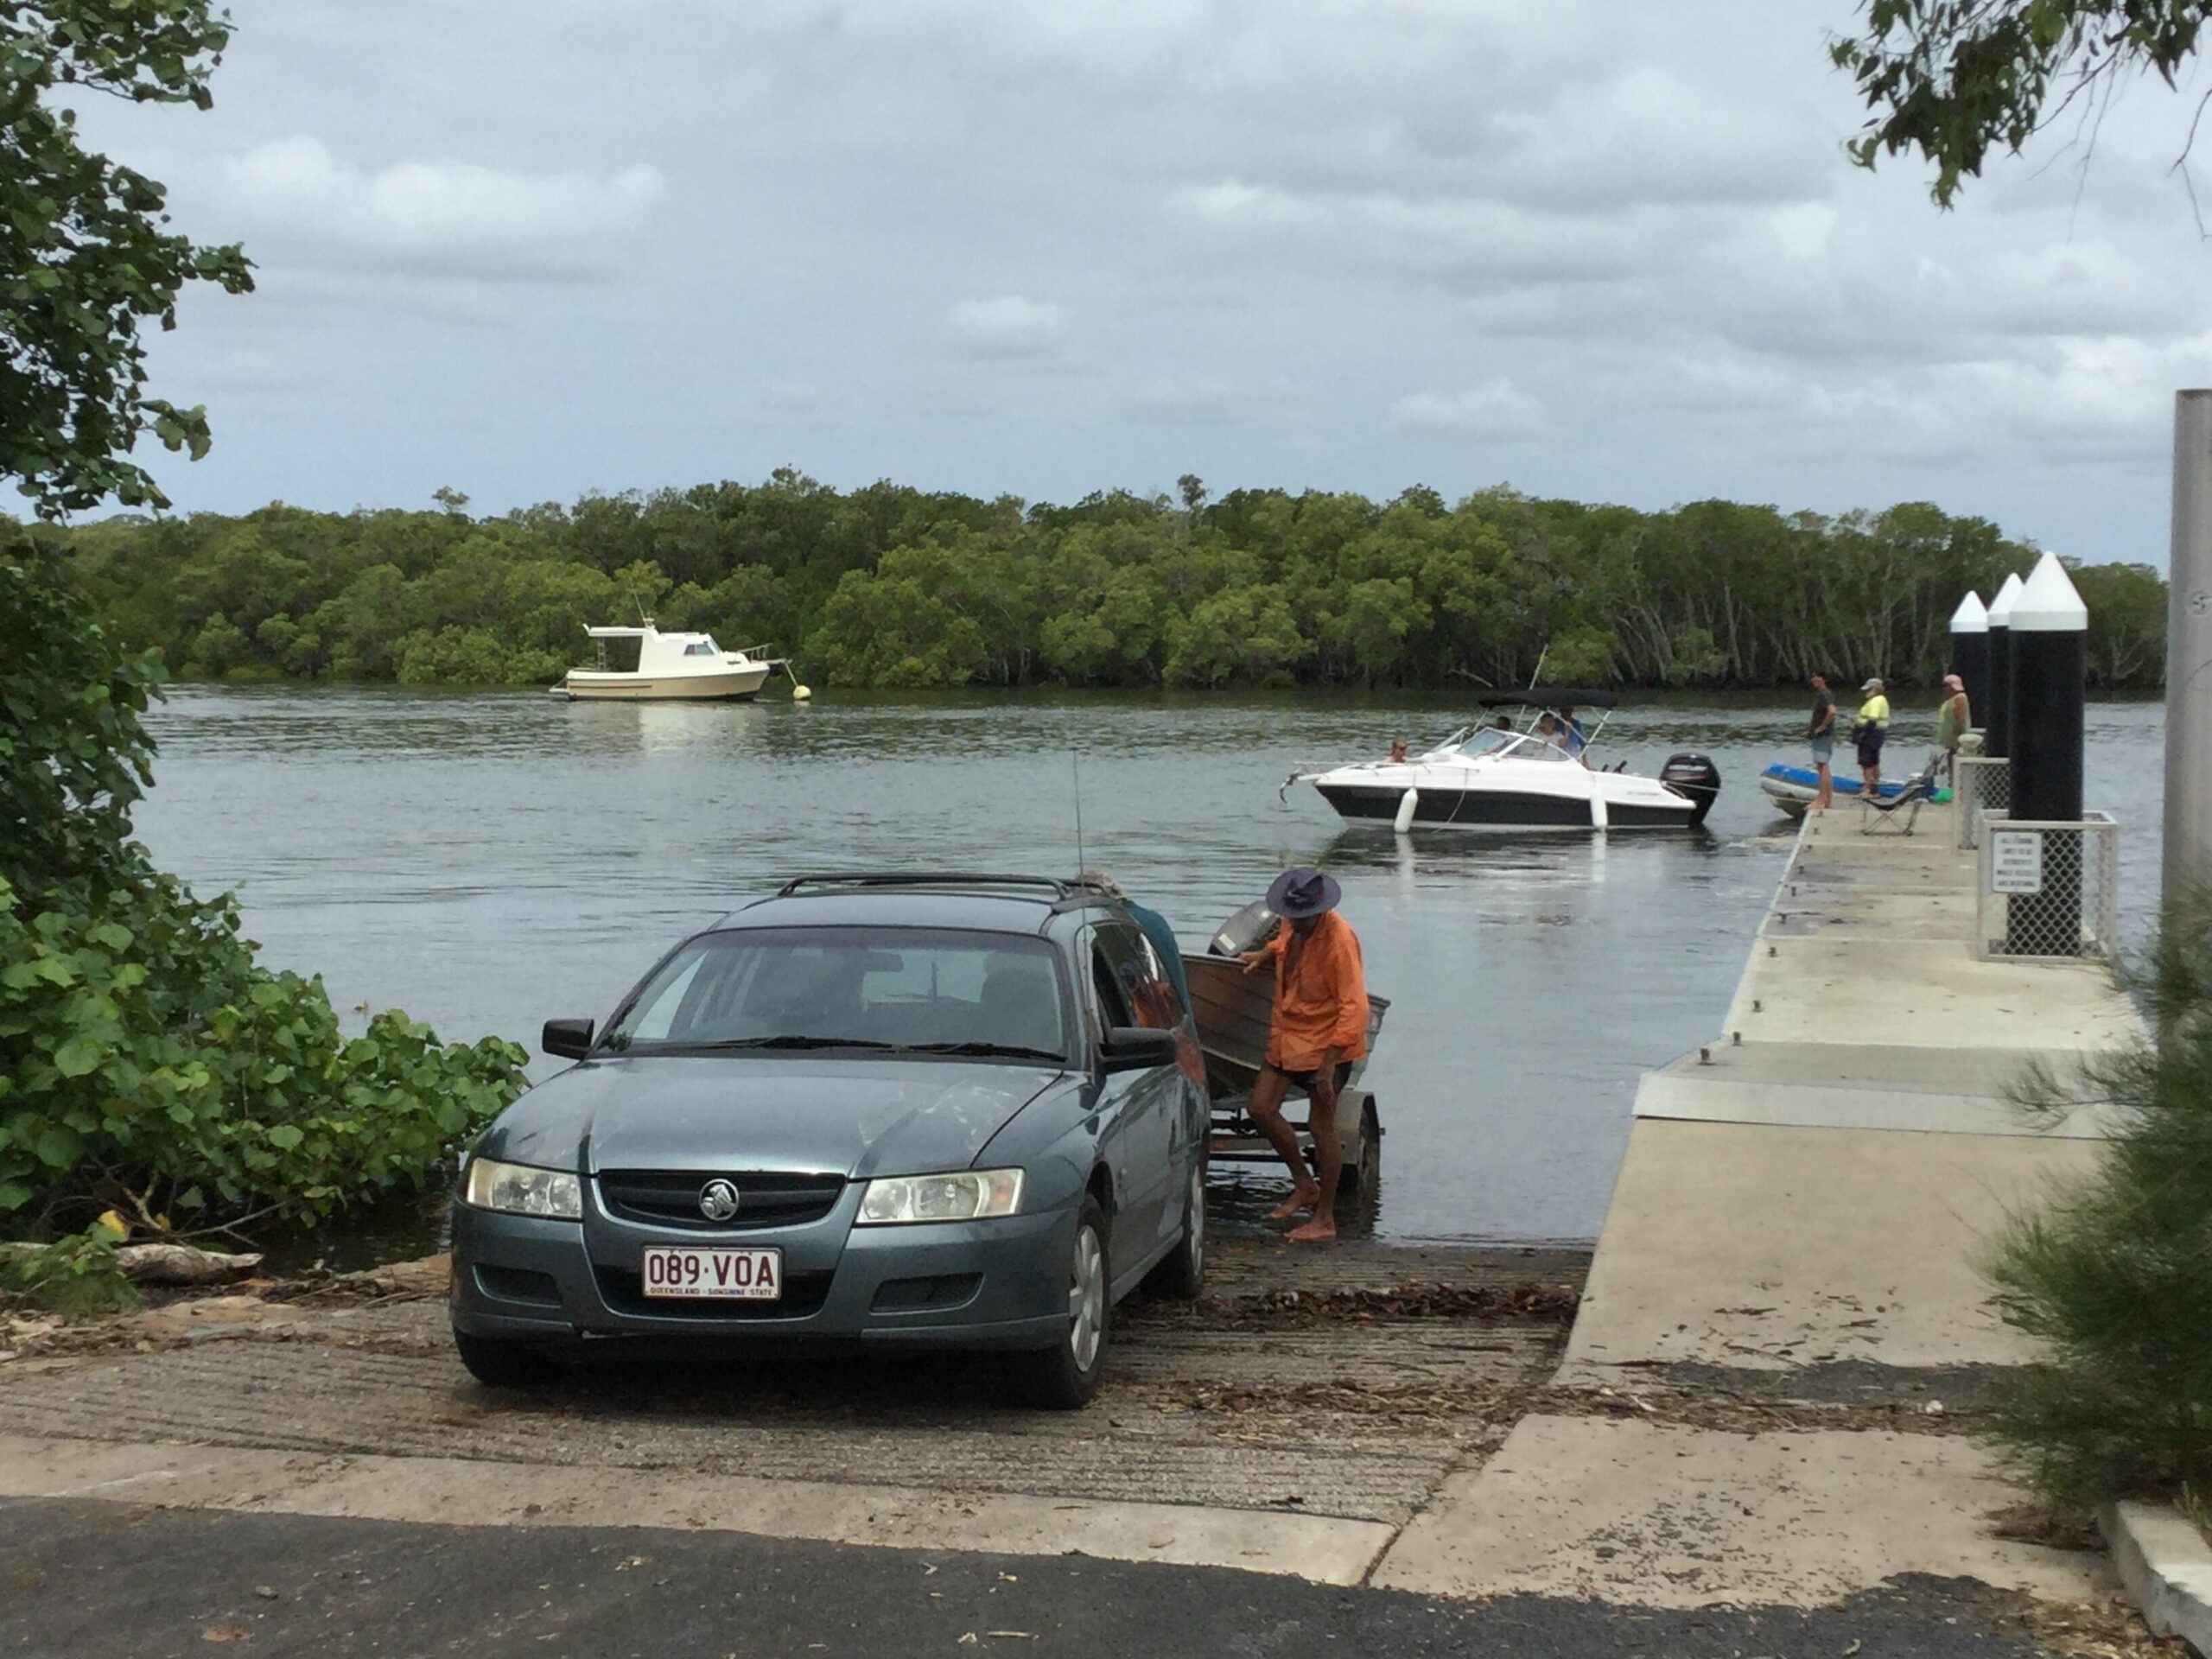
1496	776
642	663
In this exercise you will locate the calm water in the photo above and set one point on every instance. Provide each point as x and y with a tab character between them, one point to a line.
485	861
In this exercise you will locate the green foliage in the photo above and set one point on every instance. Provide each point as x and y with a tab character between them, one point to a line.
147	1062
84	259
1954	79
2116	1277
76	1275
892	587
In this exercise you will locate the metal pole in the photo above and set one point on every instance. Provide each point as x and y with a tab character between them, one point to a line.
2189	650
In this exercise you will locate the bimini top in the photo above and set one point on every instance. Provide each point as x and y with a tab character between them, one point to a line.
1549	696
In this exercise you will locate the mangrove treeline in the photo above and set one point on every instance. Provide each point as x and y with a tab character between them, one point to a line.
889	586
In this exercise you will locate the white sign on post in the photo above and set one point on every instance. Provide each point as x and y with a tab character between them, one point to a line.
2016	861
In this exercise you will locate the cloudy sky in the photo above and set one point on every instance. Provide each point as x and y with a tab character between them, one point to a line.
1591	249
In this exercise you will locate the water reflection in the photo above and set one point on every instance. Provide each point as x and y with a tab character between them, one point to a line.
490	860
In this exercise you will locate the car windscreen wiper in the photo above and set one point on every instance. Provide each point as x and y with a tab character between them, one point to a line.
1014	1050
788	1040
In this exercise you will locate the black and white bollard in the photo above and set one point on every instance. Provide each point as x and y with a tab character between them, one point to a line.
2049	686
1997	723
1970	652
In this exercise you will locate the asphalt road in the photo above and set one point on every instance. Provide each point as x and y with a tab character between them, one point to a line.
88	1580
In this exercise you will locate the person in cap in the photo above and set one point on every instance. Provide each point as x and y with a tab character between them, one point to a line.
1952	720
1873	726
1822	739
1318	1027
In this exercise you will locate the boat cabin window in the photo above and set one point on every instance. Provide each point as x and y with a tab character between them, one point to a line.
702	648
619	656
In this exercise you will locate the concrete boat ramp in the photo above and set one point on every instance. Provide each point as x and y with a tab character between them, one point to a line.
1798	1220
1292	1423
1761	1404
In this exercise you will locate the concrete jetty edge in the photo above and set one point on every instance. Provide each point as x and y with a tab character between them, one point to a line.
2167	1566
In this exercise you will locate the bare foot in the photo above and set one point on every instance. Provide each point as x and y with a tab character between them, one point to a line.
1320	1230
1301	1200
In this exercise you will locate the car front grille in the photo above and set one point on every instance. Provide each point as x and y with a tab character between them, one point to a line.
623	1290
669	1197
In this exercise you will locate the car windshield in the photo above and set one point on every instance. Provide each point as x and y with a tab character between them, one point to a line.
940	989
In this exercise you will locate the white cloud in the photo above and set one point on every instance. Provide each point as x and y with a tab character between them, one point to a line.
1288	234
294	200
1010	326
1497	410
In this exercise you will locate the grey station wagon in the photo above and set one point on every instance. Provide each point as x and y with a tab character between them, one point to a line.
945	1111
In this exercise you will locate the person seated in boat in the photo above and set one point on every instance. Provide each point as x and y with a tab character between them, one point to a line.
1317	1028
1397	751
1575	739
1547	727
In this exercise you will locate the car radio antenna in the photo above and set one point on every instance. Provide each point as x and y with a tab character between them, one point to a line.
1075	763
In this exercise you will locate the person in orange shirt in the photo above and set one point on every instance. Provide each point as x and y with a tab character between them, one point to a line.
1318	1026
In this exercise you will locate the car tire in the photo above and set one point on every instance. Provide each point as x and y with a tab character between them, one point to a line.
1064	1376
1181	1274
500	1363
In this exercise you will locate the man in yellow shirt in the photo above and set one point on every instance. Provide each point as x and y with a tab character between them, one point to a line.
1873	726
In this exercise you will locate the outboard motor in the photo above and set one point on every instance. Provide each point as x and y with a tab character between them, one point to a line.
1695	778
1248	929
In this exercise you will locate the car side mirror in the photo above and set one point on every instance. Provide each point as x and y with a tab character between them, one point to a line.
1136	1048
567	1039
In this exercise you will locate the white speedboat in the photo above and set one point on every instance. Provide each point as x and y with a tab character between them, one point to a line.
1496	776
641	663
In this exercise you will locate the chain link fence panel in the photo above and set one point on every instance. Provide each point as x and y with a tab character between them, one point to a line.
1980	784
2048	890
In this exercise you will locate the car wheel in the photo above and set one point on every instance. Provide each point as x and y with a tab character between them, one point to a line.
498	1364
1065	1375
1181	1274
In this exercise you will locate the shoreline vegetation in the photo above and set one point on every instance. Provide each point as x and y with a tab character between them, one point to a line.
897	589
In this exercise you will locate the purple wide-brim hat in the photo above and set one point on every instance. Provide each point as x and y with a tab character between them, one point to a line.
1303	891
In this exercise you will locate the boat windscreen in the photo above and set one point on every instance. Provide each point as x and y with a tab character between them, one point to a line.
1486	739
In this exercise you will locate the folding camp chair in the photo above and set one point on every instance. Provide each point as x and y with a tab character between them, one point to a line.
1882	815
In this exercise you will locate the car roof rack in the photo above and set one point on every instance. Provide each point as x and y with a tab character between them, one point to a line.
1051	884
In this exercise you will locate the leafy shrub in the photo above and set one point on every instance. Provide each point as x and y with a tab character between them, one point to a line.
2116	1277
75	1275
148	1063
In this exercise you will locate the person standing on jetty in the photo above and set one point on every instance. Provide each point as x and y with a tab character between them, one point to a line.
1952	721
1824	741
1318	1026
1873	726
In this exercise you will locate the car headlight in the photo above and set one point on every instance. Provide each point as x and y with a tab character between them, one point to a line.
520	1190
963	1195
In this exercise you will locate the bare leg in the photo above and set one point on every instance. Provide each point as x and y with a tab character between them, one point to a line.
1823	797
1266	1112
1321	1124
